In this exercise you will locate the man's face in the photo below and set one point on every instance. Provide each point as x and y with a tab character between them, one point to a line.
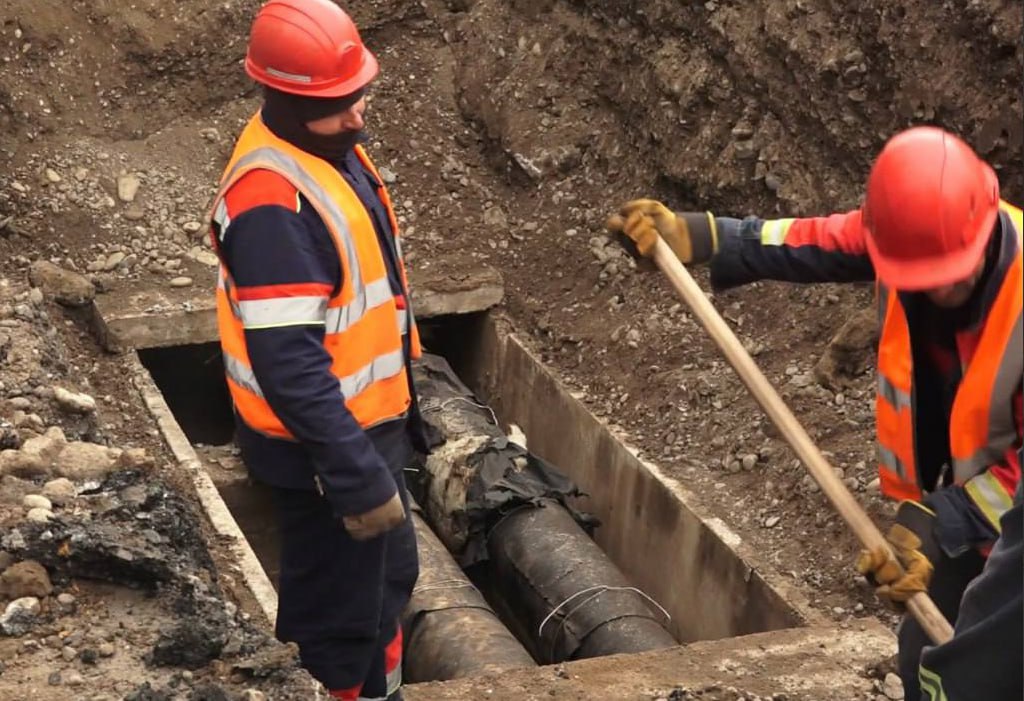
349	120
953	295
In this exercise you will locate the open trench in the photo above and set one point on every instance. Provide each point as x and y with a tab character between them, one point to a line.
682	577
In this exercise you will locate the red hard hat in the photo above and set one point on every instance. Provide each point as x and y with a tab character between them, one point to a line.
308	47
930	209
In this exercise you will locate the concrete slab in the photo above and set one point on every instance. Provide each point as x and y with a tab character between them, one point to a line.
804	664
148	315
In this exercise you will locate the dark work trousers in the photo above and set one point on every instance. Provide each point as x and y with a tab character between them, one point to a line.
949	580
340	599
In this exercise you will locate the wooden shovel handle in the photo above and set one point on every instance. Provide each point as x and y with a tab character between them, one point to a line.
920	605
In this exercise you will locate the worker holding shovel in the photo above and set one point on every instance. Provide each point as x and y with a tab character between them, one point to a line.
945	252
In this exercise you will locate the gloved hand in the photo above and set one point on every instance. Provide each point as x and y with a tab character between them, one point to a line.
912	539
376	521
692	236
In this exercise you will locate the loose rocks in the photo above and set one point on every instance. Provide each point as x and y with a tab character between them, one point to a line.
66	287
74	401
25	579
19	616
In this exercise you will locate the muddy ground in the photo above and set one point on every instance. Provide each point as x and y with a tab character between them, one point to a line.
510	129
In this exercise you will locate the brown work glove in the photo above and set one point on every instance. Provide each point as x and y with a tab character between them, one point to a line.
692	236
913	542
376	521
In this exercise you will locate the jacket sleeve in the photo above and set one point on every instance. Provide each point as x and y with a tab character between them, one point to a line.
284	270
976	662
815	249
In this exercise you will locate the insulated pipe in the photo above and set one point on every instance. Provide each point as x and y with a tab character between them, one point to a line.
505	513
562	591
450	631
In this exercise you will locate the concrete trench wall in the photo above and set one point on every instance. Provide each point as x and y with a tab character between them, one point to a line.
711	583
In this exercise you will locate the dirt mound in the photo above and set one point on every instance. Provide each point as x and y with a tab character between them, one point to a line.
511	128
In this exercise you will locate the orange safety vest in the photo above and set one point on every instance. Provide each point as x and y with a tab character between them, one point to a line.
983	429
365	323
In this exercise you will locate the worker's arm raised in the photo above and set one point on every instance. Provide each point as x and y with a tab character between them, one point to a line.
813	249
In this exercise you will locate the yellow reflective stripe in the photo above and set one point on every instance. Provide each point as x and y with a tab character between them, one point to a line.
376	293
773	231
931	684
241	375
988	493
892	394
380	368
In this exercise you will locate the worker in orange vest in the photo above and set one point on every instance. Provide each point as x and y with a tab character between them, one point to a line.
317	335
946	254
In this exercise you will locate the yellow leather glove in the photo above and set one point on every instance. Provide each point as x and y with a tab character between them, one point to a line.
692	236
376	521
913	543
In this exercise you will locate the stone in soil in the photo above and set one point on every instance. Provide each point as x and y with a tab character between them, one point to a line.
66	287
27	578
20	615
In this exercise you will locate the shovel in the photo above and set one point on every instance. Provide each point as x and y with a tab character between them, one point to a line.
921	607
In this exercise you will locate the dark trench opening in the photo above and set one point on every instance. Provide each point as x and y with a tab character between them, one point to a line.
191	379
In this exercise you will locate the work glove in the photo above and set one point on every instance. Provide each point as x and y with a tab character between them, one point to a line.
375	521
912	539
692	236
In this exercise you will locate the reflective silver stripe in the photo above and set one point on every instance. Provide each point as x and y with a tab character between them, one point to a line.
282	311
893	394
403	321
382	367
296	77
222	284
990	496
889	459
394	679
883	305
373	698
981	460
220	217
1002	427
327	208
241	375
373	295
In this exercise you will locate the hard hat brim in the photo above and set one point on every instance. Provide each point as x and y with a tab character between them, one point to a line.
937	271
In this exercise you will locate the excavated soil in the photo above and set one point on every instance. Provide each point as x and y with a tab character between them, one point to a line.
510	129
